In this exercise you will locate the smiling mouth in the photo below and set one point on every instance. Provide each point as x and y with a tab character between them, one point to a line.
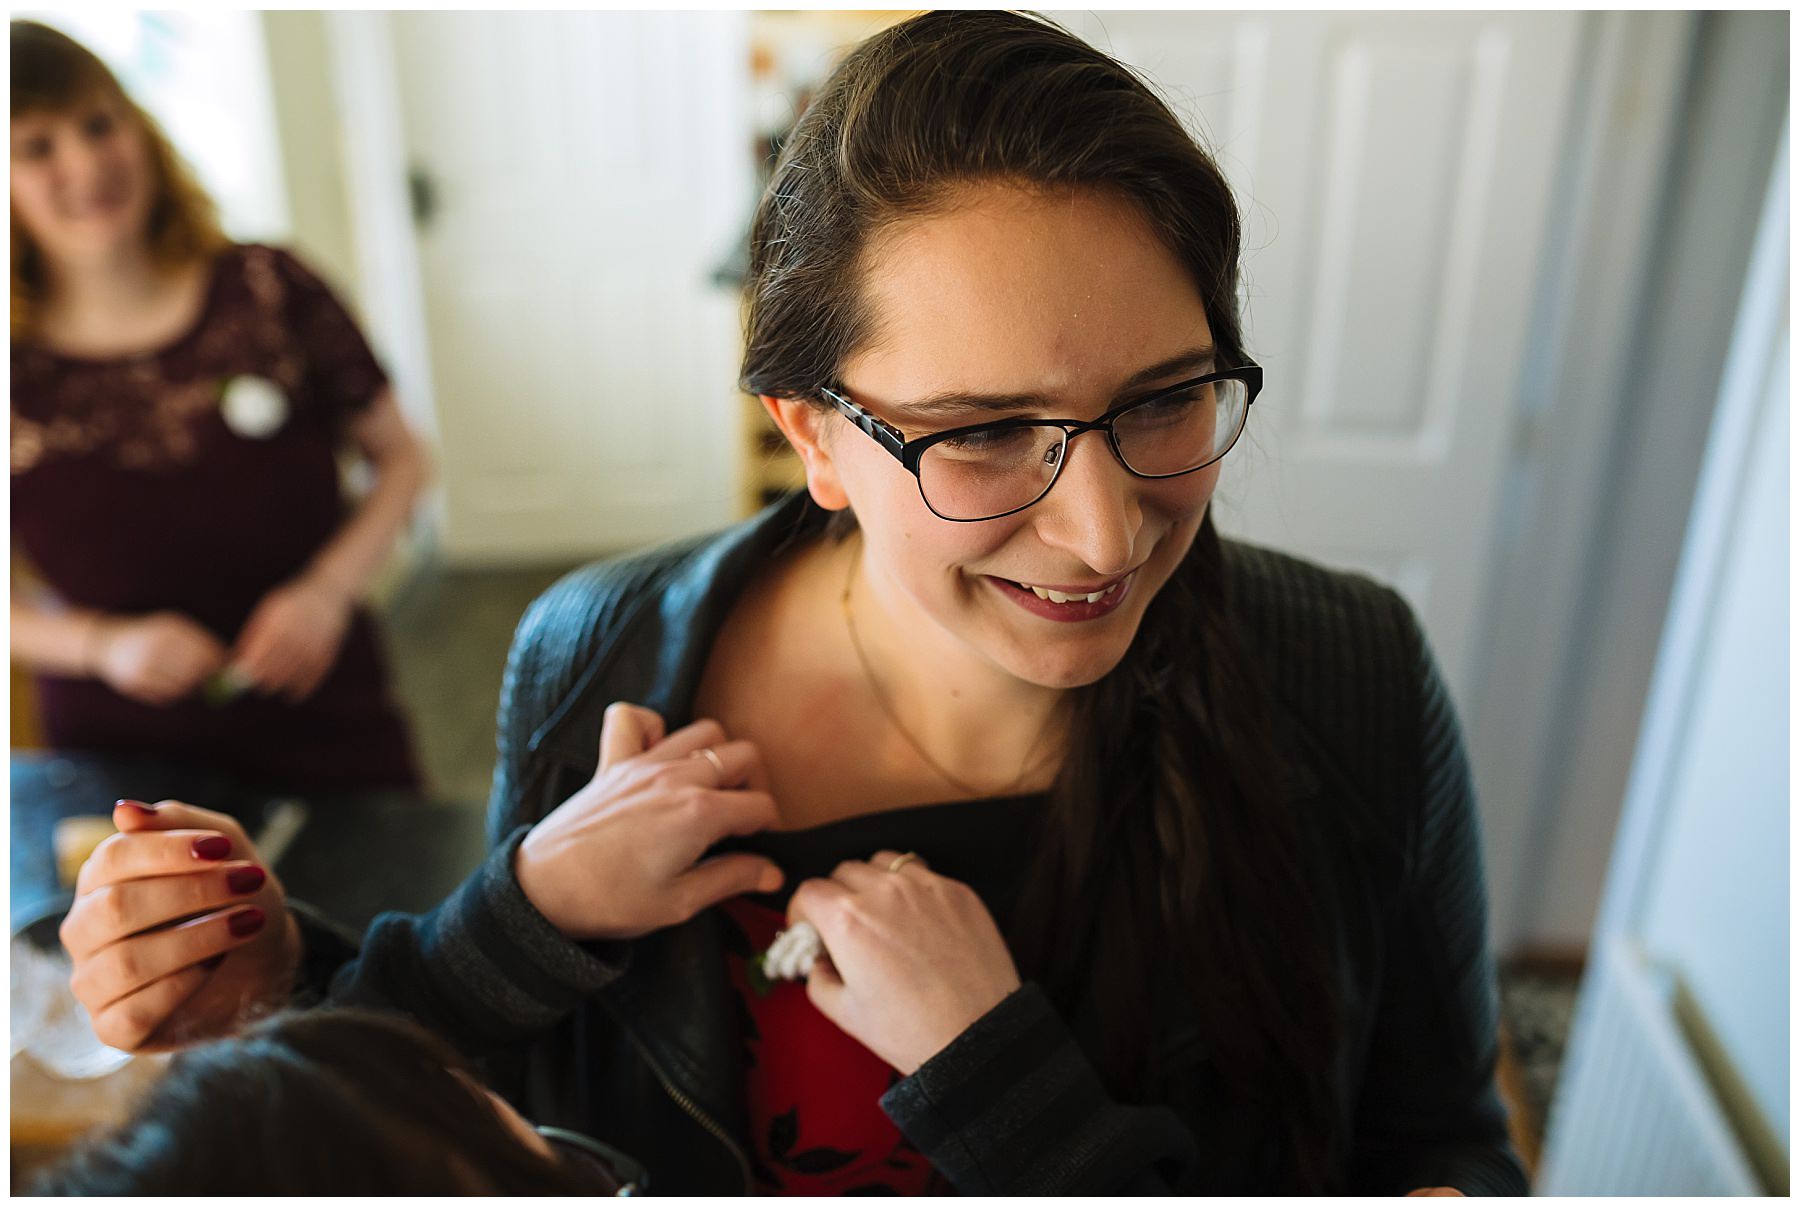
1056	596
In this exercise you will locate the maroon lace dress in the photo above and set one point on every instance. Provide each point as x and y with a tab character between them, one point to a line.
195	478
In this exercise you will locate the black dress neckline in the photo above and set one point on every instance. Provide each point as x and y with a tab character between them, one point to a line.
980	841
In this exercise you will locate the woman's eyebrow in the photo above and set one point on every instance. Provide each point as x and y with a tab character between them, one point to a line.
957	402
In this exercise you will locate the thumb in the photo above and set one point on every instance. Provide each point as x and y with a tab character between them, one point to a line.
724	876
627	731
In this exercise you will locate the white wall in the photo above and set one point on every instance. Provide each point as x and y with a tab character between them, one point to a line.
1547	879
1717	904
310	135
1699	876
204	78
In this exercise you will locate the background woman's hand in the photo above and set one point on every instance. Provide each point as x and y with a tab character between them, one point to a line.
156	659
292	639
618	859
178	929
914	957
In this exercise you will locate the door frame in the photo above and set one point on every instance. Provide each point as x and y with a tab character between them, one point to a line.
1603	485
365	83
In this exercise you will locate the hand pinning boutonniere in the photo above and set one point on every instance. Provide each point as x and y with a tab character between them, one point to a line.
789	958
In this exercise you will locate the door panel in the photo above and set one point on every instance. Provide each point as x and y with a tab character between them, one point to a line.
588	171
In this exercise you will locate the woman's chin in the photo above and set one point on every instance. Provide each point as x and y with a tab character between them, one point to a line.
1078	665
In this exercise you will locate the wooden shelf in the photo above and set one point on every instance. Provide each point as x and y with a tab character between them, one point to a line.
768	466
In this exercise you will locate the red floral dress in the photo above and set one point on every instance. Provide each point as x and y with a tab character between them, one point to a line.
159	482
813	1092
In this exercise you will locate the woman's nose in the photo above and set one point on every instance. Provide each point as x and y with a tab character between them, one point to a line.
1093	511
76	165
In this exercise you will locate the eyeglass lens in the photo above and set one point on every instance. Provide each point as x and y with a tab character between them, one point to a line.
984	474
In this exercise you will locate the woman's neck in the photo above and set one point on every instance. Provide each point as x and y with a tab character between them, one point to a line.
977	722
116	301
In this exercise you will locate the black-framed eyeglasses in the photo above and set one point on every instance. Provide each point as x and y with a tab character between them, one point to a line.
988	470
611	1171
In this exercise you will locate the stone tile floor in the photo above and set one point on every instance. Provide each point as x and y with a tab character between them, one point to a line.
447	637
1537	1005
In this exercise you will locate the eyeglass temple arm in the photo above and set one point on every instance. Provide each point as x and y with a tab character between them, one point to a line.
887	437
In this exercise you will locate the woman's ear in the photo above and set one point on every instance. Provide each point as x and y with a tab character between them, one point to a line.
804	426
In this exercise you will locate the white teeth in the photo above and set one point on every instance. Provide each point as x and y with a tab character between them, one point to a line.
1063	597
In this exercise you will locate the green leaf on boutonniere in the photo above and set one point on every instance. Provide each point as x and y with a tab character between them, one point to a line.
760	984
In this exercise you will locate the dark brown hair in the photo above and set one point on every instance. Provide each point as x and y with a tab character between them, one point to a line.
53	73
1168	852
323	1102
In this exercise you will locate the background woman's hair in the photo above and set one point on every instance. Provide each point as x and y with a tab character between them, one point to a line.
325	1102
53	73
1167	831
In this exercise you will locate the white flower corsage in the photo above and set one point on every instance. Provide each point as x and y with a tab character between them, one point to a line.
790	957
254	407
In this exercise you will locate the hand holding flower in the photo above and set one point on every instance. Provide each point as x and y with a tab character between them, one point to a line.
914	957
291	640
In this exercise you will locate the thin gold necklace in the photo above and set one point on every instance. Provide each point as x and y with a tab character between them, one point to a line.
894	717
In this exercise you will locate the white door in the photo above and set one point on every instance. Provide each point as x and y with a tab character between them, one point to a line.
1395	175
579	176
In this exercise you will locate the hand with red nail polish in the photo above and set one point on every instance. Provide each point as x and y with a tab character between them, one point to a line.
178	932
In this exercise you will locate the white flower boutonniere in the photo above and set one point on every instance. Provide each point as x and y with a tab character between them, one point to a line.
254	407
790	958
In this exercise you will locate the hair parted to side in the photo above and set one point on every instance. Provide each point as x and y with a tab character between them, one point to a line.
320	1102
1167	833
53	73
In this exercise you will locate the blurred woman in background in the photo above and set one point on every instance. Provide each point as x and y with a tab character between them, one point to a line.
179	403
334	1102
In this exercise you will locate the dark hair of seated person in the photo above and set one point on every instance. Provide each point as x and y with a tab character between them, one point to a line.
326	1102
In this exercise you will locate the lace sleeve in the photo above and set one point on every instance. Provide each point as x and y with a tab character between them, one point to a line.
343	374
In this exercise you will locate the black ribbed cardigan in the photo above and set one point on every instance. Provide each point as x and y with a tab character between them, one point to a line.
637	1042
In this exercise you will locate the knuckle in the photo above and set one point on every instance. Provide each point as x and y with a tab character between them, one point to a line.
124	965
109	852
808	899
853	914
134	1020
112	1032
81	983
111	909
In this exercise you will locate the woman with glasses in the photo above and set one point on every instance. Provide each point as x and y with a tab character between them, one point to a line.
1142	860
338	1103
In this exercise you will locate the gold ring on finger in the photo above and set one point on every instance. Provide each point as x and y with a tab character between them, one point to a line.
901	861
712	756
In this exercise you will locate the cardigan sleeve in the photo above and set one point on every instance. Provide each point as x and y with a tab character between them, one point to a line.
1013	1106
1429	1114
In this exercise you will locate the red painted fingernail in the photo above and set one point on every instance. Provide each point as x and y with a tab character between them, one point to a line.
245	880
139	805
213	963
247	922
213	846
